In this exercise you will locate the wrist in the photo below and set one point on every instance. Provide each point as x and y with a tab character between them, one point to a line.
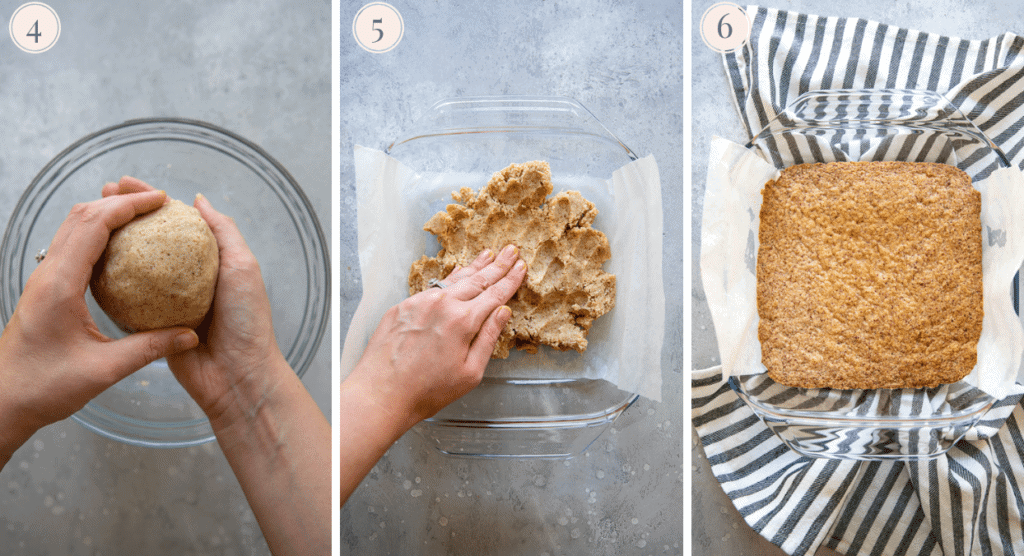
16	427
380	403
251	399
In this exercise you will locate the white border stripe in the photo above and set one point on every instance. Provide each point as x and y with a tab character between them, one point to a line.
335	270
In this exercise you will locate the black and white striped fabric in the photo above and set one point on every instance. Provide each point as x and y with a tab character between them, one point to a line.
790	54
971	500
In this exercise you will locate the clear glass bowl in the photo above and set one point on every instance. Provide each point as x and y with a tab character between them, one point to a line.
468	139
871	125
183	157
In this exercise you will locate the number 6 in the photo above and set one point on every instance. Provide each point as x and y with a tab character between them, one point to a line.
722	23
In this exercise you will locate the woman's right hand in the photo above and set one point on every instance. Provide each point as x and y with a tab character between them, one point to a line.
238	362
432	348
270	429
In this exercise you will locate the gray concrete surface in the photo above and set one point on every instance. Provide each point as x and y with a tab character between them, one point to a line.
717	527
623	61
259	69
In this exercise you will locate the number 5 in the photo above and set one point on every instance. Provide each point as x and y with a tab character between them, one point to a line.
380	34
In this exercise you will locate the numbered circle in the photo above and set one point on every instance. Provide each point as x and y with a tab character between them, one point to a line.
378	27
35	27
725	27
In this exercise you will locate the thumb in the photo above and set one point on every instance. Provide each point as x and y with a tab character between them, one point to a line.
133	352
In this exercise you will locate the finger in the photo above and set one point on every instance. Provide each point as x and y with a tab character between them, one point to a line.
133	185
473	285
133	352
498	293
110	188
83	236
482	260
127	184
229	238
483	345
239	271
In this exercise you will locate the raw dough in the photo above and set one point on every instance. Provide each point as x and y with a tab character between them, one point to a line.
159	270
565	288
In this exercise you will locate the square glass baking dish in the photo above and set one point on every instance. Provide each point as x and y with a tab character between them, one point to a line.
465	140
871	125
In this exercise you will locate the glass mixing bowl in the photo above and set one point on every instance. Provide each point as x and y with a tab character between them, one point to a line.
871	125
183	157
514	413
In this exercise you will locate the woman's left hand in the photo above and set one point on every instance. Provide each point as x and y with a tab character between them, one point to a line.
53	357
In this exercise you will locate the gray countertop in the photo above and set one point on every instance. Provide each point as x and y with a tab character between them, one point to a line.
717	526
261	70
623	61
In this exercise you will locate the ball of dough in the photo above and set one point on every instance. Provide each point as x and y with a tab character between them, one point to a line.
159	270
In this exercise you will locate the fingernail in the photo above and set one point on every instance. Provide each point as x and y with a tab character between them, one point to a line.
504	313
186	340
487	254
511	250
520	264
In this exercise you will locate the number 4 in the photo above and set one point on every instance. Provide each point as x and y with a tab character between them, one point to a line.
34	31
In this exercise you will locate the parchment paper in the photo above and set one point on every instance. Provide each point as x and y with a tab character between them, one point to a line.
393	203
732	205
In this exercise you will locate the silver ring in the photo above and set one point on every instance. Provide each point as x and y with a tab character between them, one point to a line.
435	283
40	255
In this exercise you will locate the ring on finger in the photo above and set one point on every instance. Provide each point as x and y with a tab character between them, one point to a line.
435	283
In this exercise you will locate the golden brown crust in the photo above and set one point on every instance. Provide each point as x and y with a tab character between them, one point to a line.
869	275
565	288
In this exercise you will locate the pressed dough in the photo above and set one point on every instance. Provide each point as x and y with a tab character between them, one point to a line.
869	275
159	270
565	288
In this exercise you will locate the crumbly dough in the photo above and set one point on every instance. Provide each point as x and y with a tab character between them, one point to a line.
869	275
159	270
565	288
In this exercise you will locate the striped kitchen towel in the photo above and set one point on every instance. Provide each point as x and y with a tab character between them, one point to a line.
969	501
790	54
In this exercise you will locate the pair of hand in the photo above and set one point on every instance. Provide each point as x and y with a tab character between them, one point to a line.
428	350
54	359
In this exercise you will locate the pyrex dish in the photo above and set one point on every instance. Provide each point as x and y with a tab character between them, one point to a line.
468	139
149	408
871	125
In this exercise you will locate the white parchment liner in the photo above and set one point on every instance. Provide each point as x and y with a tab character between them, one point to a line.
393	203
732	206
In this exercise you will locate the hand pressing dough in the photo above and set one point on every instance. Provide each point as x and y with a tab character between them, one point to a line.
565	288
159	270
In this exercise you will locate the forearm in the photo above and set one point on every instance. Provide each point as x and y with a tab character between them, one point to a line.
368	427
17	420
278	443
